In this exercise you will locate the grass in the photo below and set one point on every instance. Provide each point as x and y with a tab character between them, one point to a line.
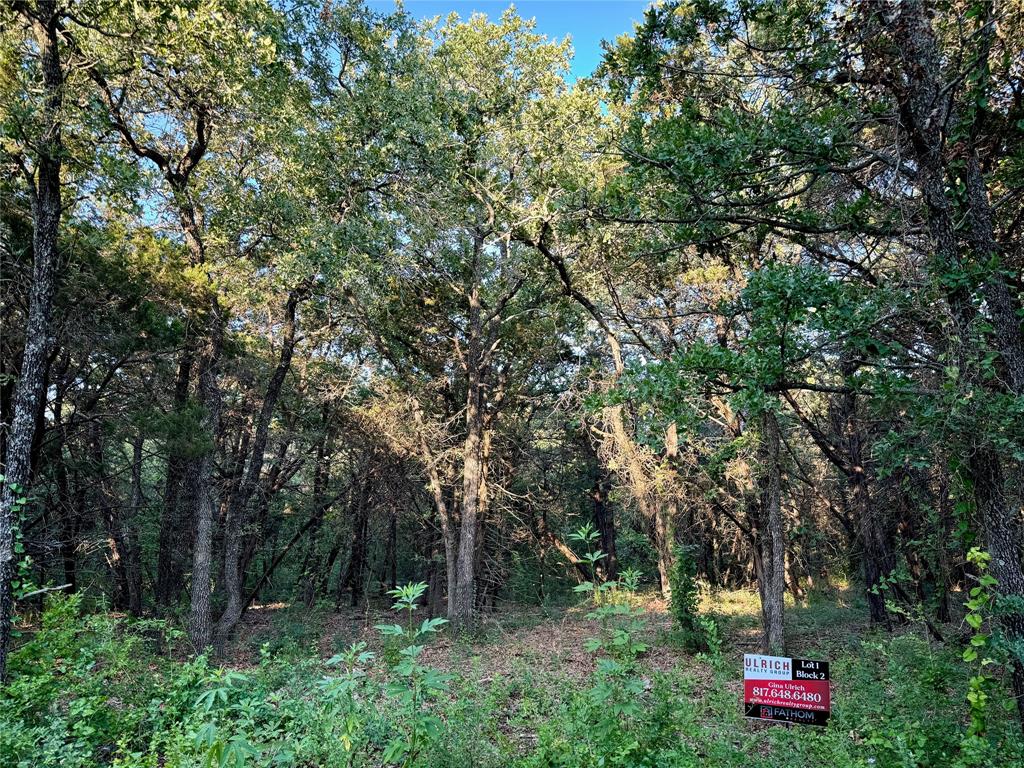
523	692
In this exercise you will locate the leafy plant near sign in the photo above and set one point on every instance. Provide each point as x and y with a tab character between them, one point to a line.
621	625
416	683
611	603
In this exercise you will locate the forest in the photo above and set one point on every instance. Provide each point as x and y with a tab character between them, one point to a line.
375	393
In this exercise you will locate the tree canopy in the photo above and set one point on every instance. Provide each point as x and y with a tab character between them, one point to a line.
302	301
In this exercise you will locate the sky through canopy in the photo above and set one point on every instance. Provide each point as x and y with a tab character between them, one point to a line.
588	22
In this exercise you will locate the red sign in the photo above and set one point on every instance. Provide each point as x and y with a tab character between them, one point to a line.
787	690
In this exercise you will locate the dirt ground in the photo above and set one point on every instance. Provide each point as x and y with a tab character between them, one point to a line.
546	641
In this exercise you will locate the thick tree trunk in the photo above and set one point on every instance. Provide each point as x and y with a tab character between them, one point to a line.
443	511
199	481
772	540
1004	309
465	586
483	583
877	558
461	613
1003	544
46	214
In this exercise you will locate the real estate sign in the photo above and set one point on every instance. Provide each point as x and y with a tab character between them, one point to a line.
786	690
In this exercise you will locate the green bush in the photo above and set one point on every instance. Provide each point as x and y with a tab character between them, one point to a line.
696	632
81	690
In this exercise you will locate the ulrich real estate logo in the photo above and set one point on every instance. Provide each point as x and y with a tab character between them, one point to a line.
781	689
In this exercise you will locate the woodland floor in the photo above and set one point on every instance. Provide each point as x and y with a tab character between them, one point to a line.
552	638
523	692
549	642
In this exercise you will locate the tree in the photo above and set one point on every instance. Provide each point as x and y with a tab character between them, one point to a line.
811	117
39	158
472	286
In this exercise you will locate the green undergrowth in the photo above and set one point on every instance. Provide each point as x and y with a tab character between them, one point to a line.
94	691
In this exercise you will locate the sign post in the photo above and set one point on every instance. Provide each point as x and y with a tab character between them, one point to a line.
781	689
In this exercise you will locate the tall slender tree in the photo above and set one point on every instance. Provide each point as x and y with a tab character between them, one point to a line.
40	162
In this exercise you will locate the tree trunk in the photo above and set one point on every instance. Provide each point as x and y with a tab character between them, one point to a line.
1001	539
124	555
313	521
391	555
946	534
352	576
199	481
68	526
849	456
357	562
461	613
604	521
772	539
238	508
46	213
665	512
441	505
172	541
310	571
877	559
547	538
133	566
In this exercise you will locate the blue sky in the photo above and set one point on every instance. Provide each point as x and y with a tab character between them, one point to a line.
588	22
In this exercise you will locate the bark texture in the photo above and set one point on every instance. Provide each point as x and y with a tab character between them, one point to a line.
472	469
772	540
30	390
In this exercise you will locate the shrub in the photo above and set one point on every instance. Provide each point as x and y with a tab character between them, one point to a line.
698	633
